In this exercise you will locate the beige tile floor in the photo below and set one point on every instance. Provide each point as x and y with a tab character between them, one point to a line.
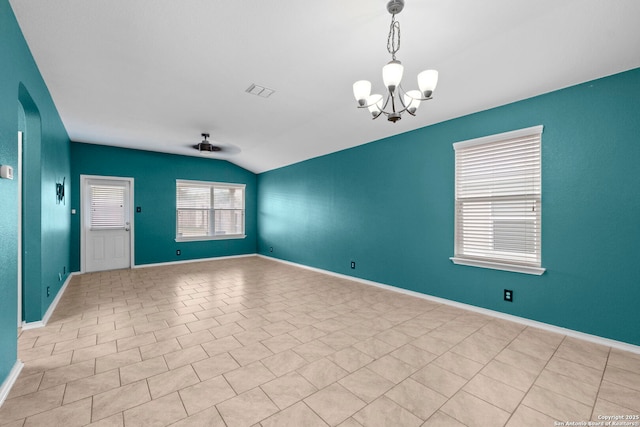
250	341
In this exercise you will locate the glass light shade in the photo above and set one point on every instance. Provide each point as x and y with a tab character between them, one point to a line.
375	104
392	74
427	81
361	91
412	100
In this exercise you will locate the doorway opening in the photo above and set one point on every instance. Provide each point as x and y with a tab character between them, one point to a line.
29	208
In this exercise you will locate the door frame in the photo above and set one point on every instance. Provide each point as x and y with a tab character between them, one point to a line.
20	285
84	179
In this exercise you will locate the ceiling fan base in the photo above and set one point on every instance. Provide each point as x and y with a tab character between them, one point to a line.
205	146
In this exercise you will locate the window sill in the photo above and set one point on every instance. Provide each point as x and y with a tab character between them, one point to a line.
499	266
204	238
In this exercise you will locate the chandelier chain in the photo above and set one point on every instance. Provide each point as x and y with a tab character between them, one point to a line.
393	41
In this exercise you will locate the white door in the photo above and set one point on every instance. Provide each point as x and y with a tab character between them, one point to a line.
107	224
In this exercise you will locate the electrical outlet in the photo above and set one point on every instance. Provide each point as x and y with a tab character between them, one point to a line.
178	252
271	249
353	264
48	291
508	295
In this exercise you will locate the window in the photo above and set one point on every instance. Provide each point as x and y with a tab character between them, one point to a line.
498	201
209	210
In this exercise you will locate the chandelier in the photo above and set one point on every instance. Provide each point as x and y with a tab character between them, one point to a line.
397	100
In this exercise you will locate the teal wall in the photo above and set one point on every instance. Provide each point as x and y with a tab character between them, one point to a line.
388	206
331	210
155	177
25	104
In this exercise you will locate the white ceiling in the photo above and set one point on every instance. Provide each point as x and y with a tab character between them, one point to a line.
154	74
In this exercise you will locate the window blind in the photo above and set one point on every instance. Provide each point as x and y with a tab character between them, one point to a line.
209	209
107	206
193	209
498	198
228	207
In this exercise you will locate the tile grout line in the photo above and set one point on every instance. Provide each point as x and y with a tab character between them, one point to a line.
600	384
534	381
476	374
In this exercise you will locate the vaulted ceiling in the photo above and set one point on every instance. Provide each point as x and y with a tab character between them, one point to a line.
155	74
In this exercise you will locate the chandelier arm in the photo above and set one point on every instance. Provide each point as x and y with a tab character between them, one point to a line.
405	107
393	108
387	113
382	109
369	105
401	93
386	102
401	98
413	97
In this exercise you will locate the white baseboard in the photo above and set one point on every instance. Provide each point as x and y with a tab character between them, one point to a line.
33	325
51	309
528	322
187	261
8	383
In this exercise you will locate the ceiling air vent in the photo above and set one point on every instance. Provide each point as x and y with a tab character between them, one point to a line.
261	91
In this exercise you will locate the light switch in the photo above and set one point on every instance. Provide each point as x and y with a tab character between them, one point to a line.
6	172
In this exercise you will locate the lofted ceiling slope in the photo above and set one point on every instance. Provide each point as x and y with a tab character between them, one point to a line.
154	75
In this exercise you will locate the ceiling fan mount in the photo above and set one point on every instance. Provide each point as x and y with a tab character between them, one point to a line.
207	146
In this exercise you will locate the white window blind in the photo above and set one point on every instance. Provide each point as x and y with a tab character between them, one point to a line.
107	206
206	210
498	201
228	205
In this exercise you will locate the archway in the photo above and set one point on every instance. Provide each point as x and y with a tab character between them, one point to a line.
30	207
